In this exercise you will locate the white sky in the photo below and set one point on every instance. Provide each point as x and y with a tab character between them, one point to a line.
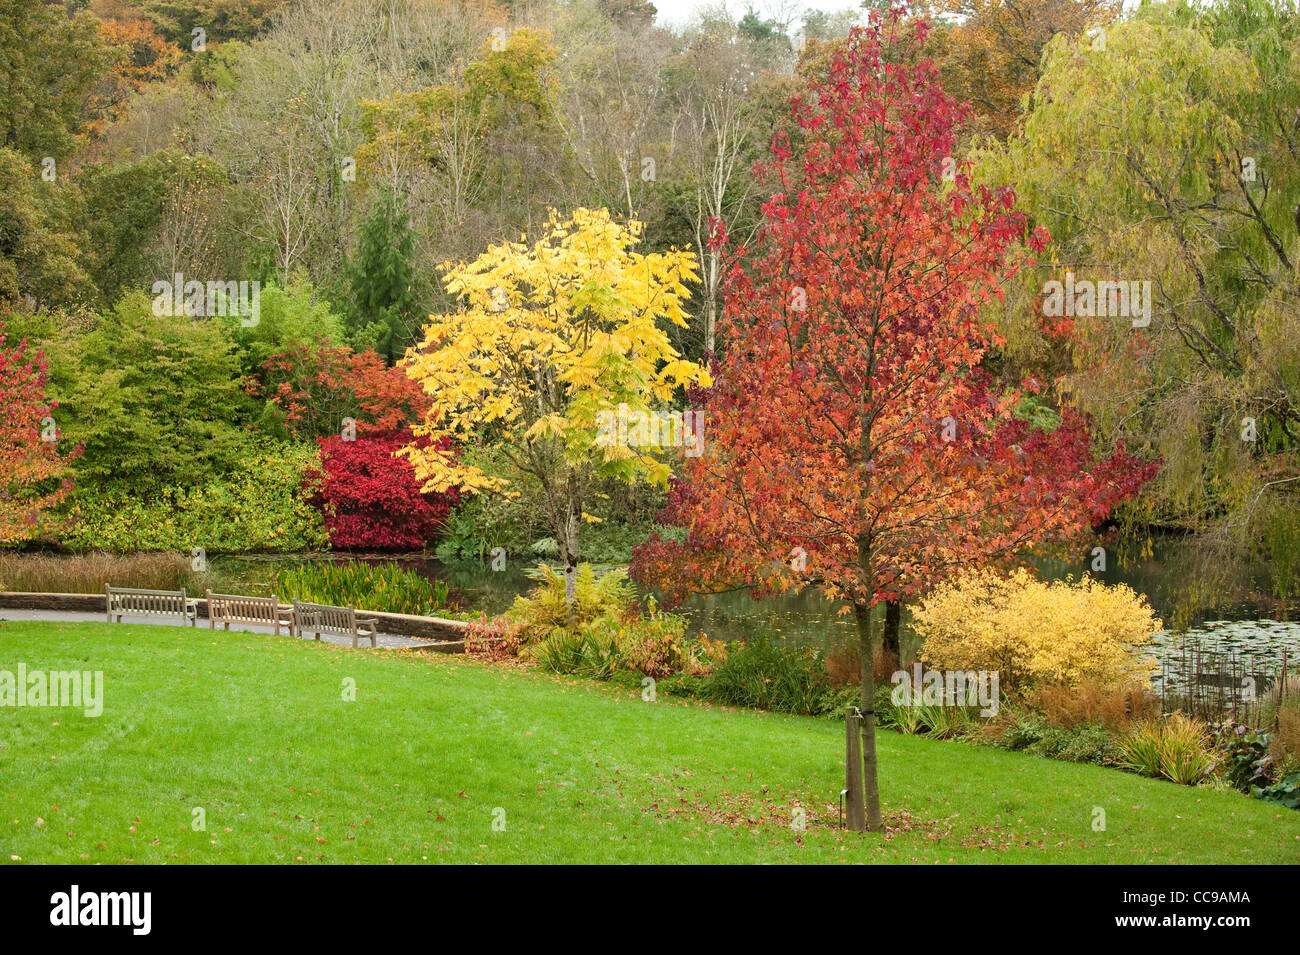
676	12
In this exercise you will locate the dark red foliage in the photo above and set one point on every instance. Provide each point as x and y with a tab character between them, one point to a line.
371	498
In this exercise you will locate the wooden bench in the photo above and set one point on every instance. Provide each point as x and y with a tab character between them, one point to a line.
343	621
149	603
237	608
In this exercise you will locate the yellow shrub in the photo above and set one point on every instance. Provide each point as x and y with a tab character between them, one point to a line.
1035	632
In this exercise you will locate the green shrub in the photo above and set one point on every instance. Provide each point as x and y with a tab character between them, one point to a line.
1173	748
1085	743
157	402
1021	733
1285	792
762	675
543	610
584	652
262	507
652	644
687	685
933	719
386	588
1244	757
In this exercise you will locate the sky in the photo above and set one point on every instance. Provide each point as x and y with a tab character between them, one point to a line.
676	12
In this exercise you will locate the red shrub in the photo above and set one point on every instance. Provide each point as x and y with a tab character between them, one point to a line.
318	387
498	639
371	499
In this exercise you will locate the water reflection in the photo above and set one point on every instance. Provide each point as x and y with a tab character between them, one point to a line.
1218	605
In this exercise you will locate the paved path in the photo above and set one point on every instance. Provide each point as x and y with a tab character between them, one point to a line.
73	616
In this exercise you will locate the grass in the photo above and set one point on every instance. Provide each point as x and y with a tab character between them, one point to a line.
88	573
254	730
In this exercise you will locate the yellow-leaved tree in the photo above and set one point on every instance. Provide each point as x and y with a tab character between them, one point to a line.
550	340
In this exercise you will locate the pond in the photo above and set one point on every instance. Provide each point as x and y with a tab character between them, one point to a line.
1219	609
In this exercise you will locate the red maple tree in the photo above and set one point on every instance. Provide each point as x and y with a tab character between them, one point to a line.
371	499
853	440
37	476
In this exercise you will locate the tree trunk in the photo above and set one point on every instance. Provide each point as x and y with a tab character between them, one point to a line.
890	641
569	548
870	784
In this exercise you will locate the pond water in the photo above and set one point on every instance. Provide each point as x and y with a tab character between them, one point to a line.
1218	609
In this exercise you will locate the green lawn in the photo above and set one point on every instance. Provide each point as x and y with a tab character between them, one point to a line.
254	730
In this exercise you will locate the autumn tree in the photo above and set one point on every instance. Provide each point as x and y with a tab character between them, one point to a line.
37	474
140	56
315	389
855	442
1199	208
724	127
989	55
551	339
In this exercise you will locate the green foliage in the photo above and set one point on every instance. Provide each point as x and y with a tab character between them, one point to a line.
386	588
761	674
123	204
1285	792
261	506
385	294
1244	756
220	19
50	64
1173	748
482	522
155	399
543	612
39	247
651	644
1086	742
588	652
296	315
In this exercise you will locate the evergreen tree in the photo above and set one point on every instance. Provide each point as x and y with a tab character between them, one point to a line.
386	301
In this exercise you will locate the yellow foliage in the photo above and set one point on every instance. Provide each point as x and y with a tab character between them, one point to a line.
549	337
1038	633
